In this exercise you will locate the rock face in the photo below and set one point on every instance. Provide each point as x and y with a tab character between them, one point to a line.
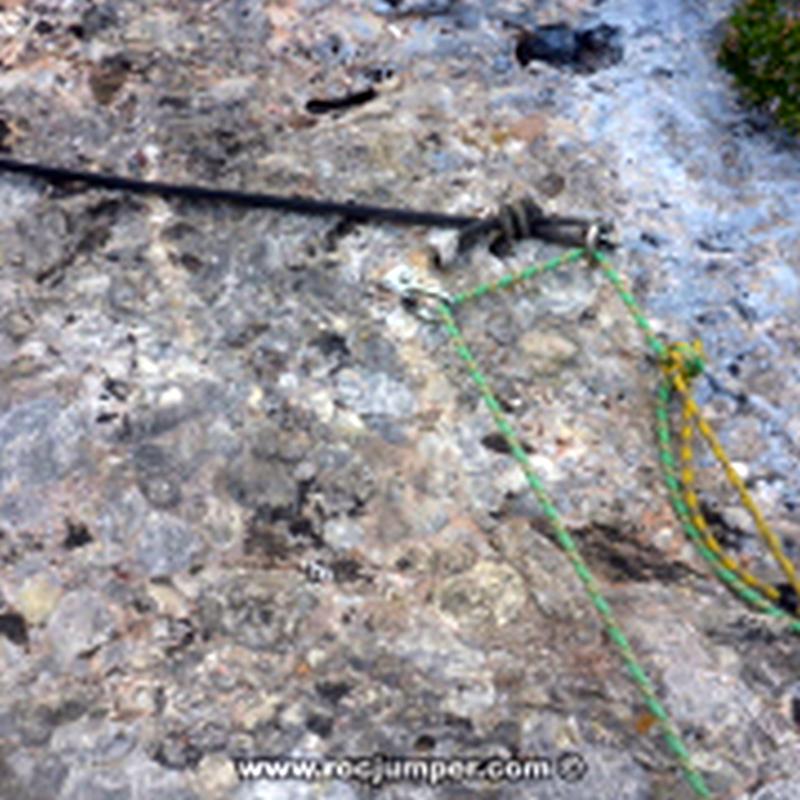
250	505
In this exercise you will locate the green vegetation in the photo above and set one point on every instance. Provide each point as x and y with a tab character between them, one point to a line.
762	52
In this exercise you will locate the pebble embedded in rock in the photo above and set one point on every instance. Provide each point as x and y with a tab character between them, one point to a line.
38	598
375	394
80	624
488	594
548	353
166	546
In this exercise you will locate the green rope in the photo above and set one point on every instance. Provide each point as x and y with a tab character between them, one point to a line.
513	278
669	473
566	542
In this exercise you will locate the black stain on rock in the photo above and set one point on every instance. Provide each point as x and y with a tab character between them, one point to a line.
787	598
497	443
94	225
108	77
599	48
416	8
97	18
553	44
333	691
263	539
333	345
348	570
795	710
587	50
43	27
317	106
621	557
14	627
177	752
5	135
320	724
77	535
340	229
180	634
117	389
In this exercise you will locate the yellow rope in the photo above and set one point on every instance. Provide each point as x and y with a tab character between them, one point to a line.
683	363
700	522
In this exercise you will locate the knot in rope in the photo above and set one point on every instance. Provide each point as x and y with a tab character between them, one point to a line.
684	359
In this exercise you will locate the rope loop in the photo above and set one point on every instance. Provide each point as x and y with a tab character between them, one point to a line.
516	221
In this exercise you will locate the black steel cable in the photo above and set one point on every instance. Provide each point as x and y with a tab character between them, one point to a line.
515	221
298	205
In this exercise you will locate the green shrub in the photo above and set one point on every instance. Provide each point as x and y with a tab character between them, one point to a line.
762	51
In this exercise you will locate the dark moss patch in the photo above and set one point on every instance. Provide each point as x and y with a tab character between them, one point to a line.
761	50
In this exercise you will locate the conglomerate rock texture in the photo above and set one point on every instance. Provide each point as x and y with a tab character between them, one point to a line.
249	504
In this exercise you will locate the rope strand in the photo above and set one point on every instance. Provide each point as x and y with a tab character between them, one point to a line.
680	364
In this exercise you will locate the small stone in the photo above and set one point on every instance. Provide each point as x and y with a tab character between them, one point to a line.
38	599
741	469
108	77
793	429
529	129
488	594
442	250
168	600
547	353
323	405
343	534
166	546
80	624
252	483
552	184
161	487
215	776
17	324
260	709
374	393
